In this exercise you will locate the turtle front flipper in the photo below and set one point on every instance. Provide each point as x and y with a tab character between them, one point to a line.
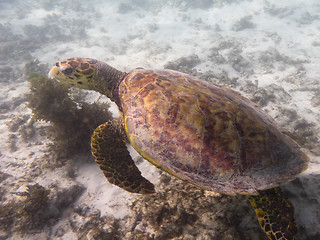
109	149
275	214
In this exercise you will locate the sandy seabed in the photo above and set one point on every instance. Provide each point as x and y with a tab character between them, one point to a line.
267	50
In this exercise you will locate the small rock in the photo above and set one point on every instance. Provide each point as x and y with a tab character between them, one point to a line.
59	232
12	142
272	93
315	100
243	23
184	64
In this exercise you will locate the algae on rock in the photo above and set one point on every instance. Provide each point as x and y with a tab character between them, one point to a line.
27	215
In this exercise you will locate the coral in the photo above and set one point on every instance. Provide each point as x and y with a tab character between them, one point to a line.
184	64
243	23
12	142
36	208
182	211
16	121
72	122
26	215
6	73
315	100
219	78
93	226
271	93
33	68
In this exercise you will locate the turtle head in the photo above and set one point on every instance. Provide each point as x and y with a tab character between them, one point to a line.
88	73
78	72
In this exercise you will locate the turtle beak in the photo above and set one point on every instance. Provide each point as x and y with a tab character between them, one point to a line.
54	72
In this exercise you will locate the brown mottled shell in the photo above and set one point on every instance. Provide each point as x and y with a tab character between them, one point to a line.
206	134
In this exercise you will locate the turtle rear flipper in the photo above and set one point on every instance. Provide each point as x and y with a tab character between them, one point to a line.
275	214
109	149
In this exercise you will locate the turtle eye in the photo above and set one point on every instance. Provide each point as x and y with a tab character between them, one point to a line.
67	71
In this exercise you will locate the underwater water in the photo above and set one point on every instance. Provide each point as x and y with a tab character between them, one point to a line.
269	51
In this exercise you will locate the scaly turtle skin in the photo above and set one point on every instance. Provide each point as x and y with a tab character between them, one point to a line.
206	134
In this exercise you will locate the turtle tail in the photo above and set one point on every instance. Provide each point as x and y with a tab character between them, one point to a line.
109	149
275	214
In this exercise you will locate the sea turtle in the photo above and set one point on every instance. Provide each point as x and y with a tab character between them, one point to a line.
198	131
